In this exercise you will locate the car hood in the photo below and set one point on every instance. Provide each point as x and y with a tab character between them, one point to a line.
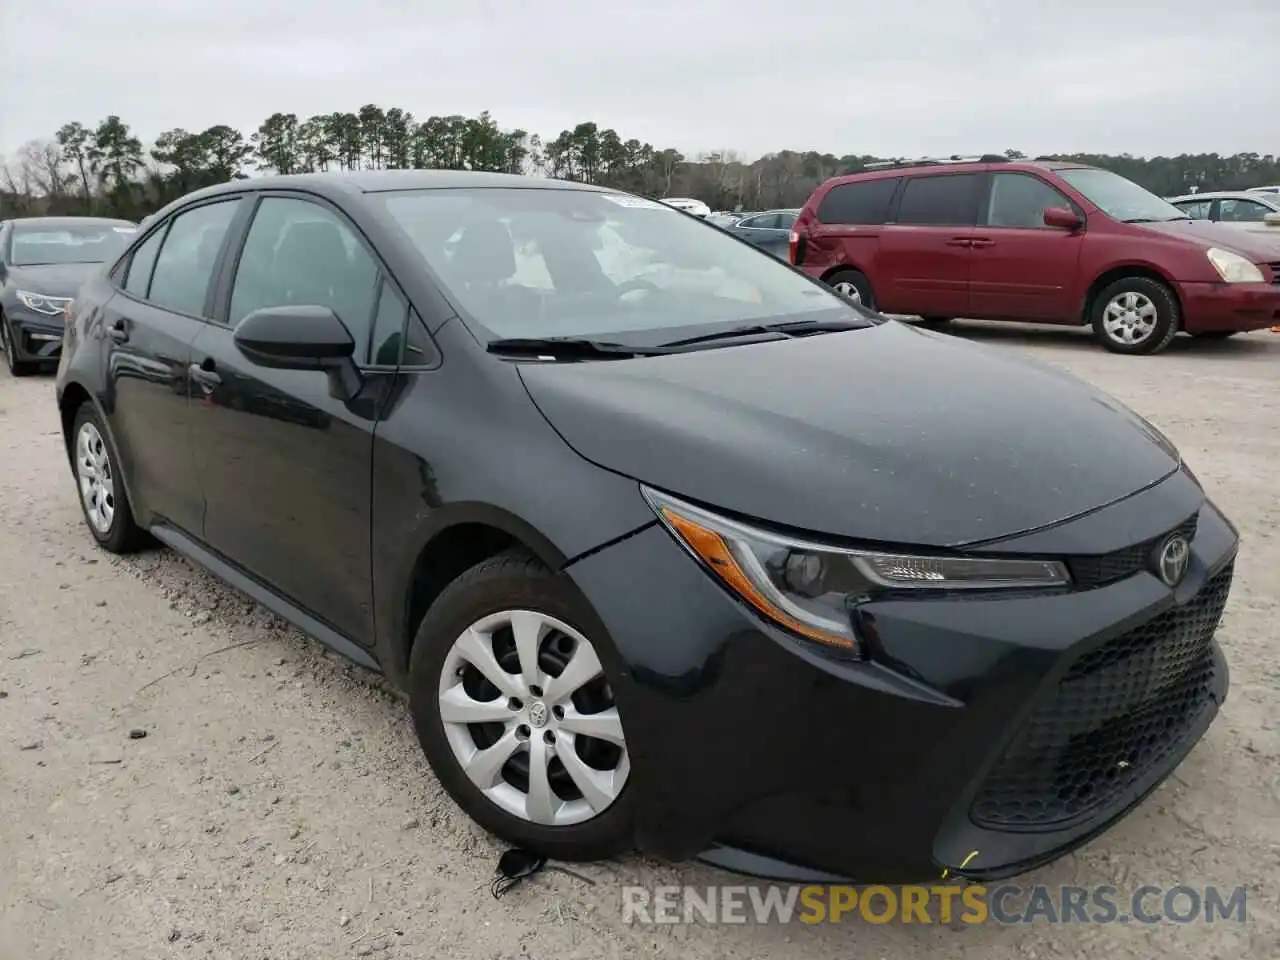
1256	245
53	279
889	434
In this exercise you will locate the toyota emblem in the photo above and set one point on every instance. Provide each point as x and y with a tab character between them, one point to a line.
1175	554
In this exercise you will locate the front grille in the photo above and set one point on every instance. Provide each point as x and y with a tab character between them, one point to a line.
1107	568
1118	714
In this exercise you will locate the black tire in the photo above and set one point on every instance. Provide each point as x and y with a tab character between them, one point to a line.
123	535
513	580
859	282
18	368
1168	315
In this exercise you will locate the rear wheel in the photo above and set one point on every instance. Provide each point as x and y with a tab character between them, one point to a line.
515	713
1135	315
9	346
102	495
854	285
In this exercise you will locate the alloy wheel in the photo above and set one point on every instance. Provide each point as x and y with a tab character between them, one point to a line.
1129	318
531	719
97	482
849	290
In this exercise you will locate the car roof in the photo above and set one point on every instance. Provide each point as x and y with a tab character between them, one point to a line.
1224	195
907	167
55	222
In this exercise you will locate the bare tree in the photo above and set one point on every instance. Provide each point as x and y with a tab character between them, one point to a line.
42	166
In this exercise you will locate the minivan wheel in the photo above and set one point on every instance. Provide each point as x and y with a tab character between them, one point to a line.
1135	315
516	715
102	495
854	285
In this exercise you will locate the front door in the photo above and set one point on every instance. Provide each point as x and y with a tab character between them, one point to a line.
1022	269
151	323
922	261
286	466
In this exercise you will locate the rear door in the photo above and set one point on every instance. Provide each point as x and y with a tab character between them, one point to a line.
162	302
923	258
287	466
1022	269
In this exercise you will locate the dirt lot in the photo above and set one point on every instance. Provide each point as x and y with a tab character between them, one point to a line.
278	806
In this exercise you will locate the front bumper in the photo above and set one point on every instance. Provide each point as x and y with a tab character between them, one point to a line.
1209	307
36	338
755	752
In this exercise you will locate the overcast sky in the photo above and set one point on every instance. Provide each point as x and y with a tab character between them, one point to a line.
863	76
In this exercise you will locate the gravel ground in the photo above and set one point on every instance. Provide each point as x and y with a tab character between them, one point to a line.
278	805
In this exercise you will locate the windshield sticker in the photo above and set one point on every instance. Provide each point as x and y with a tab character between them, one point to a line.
635	203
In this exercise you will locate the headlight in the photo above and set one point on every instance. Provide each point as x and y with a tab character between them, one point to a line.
809	587
1232	267
49	306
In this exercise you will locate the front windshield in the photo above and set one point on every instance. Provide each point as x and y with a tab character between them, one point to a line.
537	263
1121	198
93	242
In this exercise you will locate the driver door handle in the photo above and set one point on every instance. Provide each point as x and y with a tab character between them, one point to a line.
118	331
959	242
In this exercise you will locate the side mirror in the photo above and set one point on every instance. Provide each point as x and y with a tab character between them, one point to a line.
303	337
1063	217
1271	219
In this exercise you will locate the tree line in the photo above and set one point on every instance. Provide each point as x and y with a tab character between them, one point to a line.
106	170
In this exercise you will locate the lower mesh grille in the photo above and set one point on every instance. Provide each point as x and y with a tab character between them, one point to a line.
1118	714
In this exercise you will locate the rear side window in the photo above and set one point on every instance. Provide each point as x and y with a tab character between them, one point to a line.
184	268
767	221
1196	209
942	201
864	201
140	264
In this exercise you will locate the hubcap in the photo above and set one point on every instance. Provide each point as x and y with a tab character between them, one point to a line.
97	483
1129	318
531	719
849	290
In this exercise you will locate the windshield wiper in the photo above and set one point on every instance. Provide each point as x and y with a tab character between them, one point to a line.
570	347
788	328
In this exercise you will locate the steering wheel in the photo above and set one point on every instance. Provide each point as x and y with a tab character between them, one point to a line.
635	283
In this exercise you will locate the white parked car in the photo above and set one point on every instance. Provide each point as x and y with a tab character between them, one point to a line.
1249	207
688	205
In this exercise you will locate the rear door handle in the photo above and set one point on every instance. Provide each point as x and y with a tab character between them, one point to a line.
981	242
205	374
959	242
118	331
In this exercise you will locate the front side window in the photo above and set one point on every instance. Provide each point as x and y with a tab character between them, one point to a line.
302	253
388	328
948	200
576	263
763	222
68	241
184	267
1196	209
1120	198
1020	200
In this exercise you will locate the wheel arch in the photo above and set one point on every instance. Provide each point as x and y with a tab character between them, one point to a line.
1121	271
457	538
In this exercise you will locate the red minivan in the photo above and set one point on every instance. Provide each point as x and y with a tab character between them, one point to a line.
1041	241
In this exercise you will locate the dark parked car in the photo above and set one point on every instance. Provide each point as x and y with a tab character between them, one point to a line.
770	231
43	261
1041	241
669	544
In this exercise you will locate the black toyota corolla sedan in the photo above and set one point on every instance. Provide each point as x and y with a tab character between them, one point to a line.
43	261
669	545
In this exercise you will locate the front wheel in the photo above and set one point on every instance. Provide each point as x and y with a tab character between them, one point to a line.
854	285
1135	315
8	345
515	712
